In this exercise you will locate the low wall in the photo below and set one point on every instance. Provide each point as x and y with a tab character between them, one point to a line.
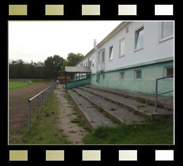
75	84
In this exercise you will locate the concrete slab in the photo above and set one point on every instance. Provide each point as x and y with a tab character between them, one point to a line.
116	111
90	113
129	103
167	102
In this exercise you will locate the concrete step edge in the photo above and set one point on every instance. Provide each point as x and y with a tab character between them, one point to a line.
130	108
75	89
130	96
81	111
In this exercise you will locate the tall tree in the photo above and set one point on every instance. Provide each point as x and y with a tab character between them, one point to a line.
73	58
52	66
65	63
16	69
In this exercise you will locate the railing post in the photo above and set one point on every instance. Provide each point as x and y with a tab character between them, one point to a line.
37	107
29	116
156	96
42	99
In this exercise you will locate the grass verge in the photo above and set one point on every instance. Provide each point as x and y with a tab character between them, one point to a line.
21	83
158	132
44	129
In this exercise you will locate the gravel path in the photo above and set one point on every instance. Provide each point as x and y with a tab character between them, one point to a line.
73	132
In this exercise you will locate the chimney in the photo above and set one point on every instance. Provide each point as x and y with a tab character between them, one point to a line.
95	43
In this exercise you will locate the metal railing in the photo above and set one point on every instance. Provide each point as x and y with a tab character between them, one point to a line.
44	95
156	93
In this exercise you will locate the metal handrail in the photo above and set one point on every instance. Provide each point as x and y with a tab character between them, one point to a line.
36	96
39	93
156	93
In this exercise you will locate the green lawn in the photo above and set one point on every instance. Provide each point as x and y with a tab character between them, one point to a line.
18	84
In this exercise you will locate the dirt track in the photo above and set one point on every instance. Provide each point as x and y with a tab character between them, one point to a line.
18	106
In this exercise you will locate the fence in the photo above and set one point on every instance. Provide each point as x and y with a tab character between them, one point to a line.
156	93
44	95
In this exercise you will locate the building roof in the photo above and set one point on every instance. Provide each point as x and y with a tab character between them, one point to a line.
111	34
79	69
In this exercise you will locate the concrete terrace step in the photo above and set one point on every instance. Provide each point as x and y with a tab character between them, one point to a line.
130	104
167	102
119	113
90	113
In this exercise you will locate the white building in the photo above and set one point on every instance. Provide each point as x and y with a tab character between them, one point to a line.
133	56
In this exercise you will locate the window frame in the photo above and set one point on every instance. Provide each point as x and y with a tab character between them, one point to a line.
99	54
89	62
121	75
123	39
102	53
93	62
110	53
127	29
161	39
103	76
136	75
135	35
165	71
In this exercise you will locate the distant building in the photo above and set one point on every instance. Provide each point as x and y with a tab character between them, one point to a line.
133	56
63	79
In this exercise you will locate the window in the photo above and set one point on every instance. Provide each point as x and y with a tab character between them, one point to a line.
122	47
89	62
138	74
122	75
99	58
139	38
166	29
86	64
168	71
103	56
93	62
111	53
127	29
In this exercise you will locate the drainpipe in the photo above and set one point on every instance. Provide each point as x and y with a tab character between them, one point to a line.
96	58
96	53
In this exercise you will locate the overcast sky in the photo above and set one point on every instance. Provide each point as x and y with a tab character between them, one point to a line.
37	40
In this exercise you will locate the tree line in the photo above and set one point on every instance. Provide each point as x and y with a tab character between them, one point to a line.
52	67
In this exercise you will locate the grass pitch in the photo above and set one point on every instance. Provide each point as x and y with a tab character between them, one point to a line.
20	84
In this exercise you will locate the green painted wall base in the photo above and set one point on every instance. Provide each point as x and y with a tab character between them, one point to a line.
146	84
